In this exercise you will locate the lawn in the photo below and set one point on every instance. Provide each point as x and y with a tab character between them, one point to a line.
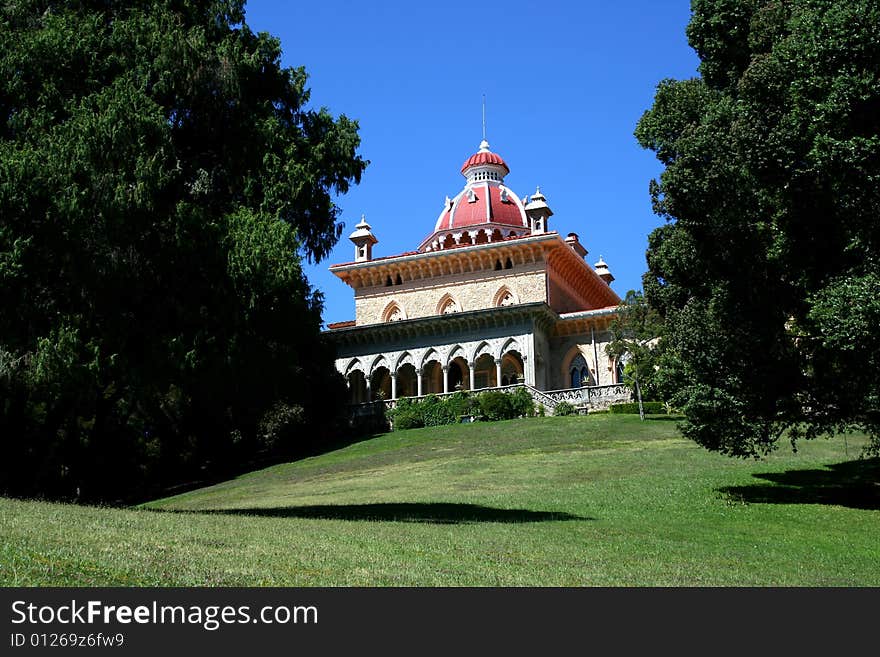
568	501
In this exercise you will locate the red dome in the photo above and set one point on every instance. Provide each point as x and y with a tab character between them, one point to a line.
487	207
484	157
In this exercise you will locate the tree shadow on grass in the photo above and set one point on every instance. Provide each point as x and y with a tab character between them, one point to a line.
853	484
435	512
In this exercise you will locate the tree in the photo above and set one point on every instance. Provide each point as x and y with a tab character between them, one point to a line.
160	177
767	271
636	338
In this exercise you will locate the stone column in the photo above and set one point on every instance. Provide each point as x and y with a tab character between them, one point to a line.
394	385
445	378
497	372
369	391
419	381
471	367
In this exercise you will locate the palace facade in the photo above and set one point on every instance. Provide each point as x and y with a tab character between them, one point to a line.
491	298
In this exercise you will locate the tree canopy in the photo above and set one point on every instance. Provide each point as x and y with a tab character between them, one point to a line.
161	175
768	270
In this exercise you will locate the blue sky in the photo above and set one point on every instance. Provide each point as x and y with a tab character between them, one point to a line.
565	84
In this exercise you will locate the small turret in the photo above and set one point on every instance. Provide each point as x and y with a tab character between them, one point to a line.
363	240
603	271
538	213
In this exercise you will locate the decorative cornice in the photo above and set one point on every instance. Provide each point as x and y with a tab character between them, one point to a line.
538	313
459	260
455	323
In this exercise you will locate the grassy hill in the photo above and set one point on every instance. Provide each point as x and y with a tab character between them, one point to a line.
571	501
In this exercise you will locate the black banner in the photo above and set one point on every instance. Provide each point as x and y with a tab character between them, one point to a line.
328	621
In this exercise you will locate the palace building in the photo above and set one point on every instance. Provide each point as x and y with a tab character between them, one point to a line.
491	298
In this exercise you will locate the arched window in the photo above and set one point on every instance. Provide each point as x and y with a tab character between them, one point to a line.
448	305
578	372
505	297
393	313
618	371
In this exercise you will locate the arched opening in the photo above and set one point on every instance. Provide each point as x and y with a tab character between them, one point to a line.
398	280
465	238
504	297
380	383
432	378
481	237
508	264
448	242
447	305
618	372
484	372
512	368
578	372
357	387
497	265
407	383
497	236
393	313
459	375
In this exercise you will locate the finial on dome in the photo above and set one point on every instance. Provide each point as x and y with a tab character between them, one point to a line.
484	146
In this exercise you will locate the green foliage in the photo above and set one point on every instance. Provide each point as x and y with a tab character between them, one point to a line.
636	338
161	177
766	273
564	408
433	411
495	405
629	408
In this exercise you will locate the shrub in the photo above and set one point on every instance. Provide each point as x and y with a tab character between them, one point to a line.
436	411
461	403
407	414
564	408
522	402
495	405
541	411
633	407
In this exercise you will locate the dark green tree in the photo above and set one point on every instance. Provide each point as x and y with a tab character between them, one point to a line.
161	175
768	270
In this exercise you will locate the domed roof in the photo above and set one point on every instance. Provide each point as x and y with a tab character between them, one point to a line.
484	156
485	204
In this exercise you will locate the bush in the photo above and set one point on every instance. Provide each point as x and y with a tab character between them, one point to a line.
522	402
564	408
461	403
496	405
407	414
436	412
633	407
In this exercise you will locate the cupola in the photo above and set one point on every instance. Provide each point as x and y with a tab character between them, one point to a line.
538	212
363	240
603	271
486	210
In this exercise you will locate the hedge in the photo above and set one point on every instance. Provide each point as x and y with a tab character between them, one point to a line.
652	407
433	411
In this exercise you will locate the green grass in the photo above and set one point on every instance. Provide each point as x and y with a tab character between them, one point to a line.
568	501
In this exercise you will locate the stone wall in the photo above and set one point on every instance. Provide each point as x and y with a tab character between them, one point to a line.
471	291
